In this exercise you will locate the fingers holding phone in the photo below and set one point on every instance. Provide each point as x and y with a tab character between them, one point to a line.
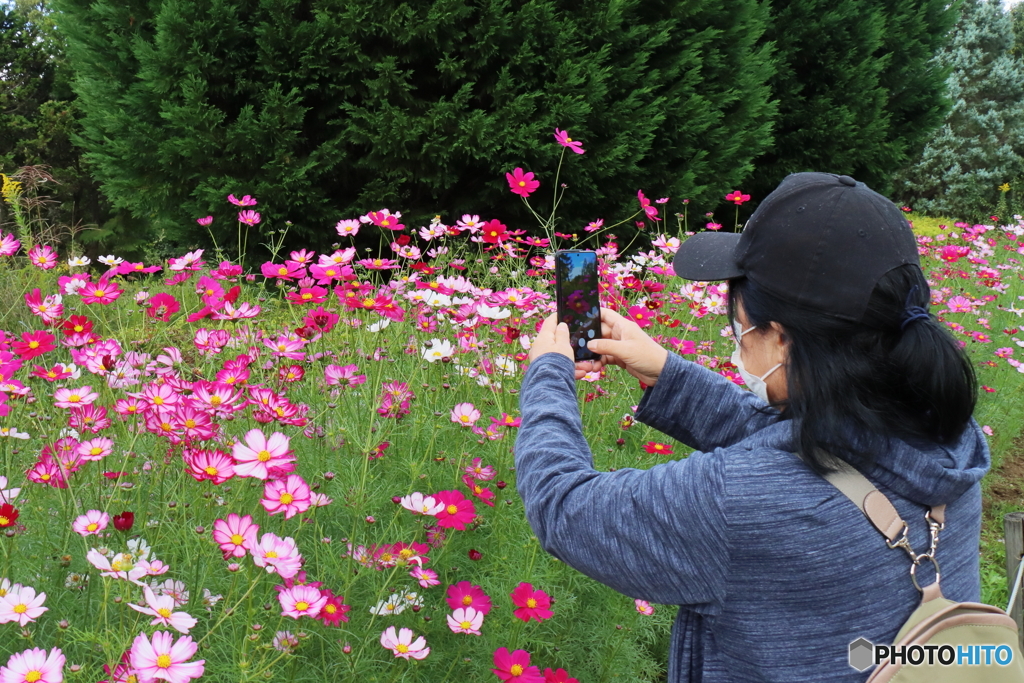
625	344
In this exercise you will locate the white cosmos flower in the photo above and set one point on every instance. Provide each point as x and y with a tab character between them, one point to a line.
7	495
79	261
12	433
440	348
379	325
493	312
110	260
395	604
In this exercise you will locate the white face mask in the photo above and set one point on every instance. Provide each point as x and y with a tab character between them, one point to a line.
755	384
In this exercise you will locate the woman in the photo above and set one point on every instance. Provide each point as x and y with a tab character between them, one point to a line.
775	571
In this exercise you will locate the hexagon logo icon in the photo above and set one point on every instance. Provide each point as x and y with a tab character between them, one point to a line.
862	654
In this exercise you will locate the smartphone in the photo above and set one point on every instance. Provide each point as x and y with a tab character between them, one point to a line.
577	299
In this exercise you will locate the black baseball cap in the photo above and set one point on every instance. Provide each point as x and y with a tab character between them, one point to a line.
819	240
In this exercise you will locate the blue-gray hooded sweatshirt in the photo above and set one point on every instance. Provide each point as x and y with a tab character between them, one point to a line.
775	571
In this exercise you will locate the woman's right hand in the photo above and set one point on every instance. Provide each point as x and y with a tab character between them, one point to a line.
626	345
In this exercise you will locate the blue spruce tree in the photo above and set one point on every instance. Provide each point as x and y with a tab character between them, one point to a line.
981	143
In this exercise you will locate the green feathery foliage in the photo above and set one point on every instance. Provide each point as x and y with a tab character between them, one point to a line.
857	90
335	108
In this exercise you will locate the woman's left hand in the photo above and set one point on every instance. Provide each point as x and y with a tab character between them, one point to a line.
553	336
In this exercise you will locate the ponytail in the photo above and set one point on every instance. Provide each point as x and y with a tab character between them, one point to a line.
852	386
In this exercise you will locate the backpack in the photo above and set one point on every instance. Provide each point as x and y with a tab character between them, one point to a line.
942	641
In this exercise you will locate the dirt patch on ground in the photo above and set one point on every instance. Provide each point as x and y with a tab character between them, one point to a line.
1006	482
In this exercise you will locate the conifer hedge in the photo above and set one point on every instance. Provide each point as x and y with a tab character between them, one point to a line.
326	109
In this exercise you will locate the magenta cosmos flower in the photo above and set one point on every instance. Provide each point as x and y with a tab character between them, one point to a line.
22	605
289	495
165	659
33	344
514	667
737	197
249	217
522	183
92	522
403	645
465	594
235	535
259	453
562	136
532	604
458	510
162	306
34	666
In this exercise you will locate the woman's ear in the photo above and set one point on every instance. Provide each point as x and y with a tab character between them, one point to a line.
779	343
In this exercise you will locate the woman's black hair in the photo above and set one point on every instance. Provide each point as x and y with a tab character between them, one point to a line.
854	385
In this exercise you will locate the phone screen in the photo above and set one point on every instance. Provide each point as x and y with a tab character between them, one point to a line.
578	304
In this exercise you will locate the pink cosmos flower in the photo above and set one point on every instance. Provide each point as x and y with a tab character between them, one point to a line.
95	449
120	568
249	217
522	183
301	601
205	221
343	376
34	666
645	204
161	608
213	465
425	577
42	257
562	136
21	605
235	535
290	495
402	644
465	414
644	607
465	594
244	201
103	292
260	454
165	659
458	510
8	245
65	397
478	471
737	197
277	555
514	667
960	304
348	227
92	522
532	604
466	620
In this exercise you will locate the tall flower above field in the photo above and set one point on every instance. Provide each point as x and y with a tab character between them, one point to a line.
645	204
522	184
562	136
249	217
737	197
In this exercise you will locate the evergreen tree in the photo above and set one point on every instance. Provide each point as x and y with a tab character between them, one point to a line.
39	115
326	109
979	146
856	88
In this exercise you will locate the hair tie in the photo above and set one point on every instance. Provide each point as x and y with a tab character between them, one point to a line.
912	313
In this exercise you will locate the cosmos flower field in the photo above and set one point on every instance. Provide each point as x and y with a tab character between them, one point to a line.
301	469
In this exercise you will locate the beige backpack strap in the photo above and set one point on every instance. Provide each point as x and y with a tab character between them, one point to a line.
872	502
